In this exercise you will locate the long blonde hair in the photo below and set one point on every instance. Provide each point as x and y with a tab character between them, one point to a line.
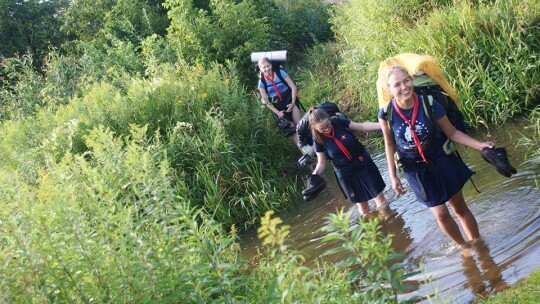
316	116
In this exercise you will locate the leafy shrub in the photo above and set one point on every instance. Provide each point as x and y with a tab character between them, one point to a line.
372	265
361	275
111	226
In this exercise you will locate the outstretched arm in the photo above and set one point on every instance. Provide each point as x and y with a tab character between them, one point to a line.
461	138
364	126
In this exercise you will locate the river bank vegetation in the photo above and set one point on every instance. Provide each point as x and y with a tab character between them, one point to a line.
134	150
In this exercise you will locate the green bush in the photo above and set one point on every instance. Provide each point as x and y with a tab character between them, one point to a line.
368	271
111	226
217	139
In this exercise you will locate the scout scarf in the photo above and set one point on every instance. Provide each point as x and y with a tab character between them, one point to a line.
273	84
411	125
332	135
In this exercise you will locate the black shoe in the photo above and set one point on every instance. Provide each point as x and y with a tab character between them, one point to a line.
315	184
304	160
283	123
498	158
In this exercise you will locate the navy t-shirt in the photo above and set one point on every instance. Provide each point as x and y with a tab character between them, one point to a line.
346	138
423	128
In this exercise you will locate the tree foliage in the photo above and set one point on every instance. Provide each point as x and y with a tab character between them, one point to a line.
30	26
126	20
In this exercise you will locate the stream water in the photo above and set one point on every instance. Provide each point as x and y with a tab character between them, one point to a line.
507	211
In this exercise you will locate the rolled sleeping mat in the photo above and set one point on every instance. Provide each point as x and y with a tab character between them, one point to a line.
274	56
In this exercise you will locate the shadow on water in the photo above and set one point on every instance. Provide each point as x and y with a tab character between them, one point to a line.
507	211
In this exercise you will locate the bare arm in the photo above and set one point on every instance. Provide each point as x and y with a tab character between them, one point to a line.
269	105
364	126
459	137
321	163
390	149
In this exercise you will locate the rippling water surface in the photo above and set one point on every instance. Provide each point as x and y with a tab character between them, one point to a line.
507	211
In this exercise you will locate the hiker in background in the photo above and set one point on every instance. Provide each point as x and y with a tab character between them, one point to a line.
435	176
357	174
279	94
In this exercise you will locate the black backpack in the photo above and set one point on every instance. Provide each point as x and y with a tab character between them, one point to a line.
303	128
426	95
452	111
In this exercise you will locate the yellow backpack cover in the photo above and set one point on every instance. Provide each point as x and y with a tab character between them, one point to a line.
414	64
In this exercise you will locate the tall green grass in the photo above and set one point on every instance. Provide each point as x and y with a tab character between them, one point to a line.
488	49
114	226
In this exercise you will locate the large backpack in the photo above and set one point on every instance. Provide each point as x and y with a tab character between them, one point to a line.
303	128
276	67
426	96
416	65
429	83
454	114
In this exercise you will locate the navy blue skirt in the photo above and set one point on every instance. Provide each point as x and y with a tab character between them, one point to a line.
360	181
435	183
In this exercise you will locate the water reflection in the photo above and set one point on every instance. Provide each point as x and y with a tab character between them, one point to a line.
488	278
507	211
393	224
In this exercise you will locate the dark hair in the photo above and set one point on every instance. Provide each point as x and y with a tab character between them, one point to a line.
316	116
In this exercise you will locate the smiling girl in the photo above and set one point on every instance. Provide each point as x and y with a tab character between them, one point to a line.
435	176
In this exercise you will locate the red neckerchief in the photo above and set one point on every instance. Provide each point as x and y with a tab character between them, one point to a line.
273	84
411	125
332	135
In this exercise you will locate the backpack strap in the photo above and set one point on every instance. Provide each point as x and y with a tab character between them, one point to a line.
429	110
389	115
276	70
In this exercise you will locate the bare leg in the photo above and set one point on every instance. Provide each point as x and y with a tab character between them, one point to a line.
465	216
363	208
380	200
296	119
297	142
447	224
296	115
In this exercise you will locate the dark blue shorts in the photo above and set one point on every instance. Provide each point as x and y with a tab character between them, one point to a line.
434	184
362	181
